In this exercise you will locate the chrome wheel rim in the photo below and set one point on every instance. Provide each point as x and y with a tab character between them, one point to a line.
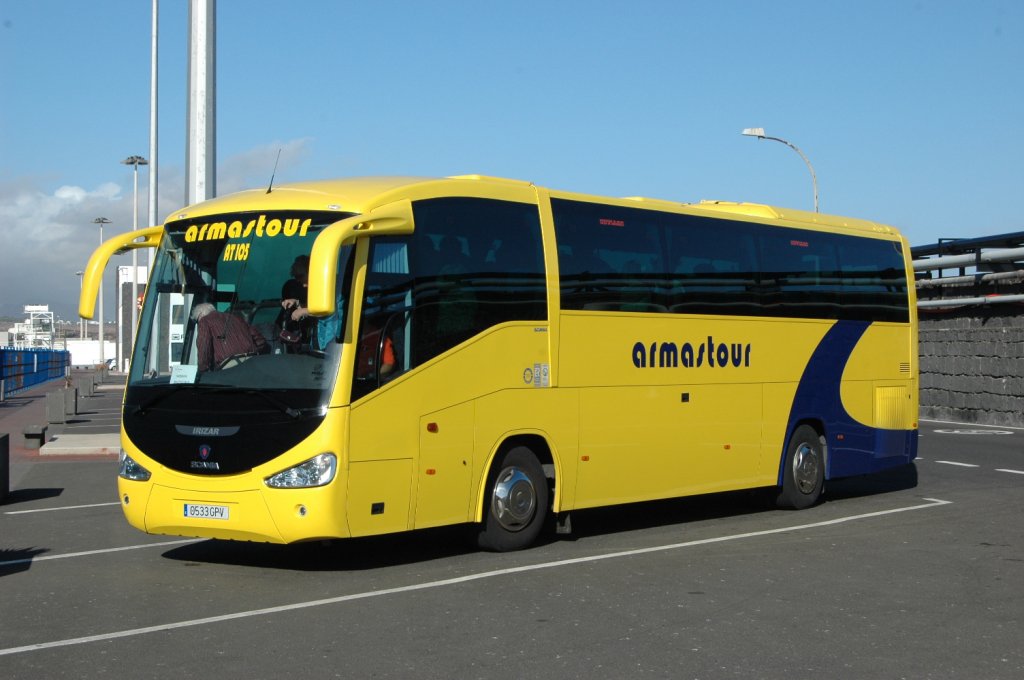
806	463
514	499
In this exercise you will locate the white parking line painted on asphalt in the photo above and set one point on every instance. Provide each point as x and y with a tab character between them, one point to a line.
66	507
953	462
101	551
973	431
931	503
1012	472
953	422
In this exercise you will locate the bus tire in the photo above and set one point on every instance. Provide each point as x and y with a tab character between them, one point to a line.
803	474
516	502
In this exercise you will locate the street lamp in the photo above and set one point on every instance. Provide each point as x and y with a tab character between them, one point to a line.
135	162
101	221
759	133
81	321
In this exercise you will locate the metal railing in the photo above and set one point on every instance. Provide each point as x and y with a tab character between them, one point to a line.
995	262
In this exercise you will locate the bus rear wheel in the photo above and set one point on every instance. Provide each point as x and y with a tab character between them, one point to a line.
517	502
803	474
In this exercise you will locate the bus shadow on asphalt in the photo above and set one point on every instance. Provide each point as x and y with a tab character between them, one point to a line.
412	547
351	554
896	479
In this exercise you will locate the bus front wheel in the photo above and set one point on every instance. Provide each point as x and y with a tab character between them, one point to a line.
803	474
517	502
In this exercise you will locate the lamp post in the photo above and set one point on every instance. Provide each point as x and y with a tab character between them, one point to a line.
81	321
135	162
101	221
759	133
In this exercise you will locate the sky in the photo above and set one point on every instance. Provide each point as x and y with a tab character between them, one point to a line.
911	111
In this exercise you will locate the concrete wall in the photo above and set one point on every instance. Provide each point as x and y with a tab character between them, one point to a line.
972	365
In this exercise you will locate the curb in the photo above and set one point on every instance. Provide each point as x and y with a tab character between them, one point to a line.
82	445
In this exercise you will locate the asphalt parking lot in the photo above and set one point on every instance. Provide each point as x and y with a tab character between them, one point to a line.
912	574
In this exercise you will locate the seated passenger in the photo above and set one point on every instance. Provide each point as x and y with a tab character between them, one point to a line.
294	320
221	336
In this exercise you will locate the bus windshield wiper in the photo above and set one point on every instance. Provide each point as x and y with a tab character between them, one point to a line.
284	408
141	409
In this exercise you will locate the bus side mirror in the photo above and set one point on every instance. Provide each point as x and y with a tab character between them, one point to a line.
390	219
150	238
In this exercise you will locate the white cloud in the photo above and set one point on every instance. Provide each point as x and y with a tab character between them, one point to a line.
45	238
46	235
254	168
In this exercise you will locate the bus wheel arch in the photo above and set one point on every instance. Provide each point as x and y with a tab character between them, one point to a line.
804	460
516	495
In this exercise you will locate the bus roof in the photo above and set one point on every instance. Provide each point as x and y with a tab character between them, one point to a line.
359	194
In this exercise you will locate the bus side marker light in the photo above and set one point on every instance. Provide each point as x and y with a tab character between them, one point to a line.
840	437
432	428
431	471
584	458
728	447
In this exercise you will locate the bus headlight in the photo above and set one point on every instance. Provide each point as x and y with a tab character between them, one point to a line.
317	471
129	469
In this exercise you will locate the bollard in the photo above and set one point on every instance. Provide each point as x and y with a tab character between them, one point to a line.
55	408
70	401
84	386
5	466
35	436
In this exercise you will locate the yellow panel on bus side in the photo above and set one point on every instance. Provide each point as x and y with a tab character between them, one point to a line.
880	362
673	405
391	422
640	443
550	413
378	496
445	466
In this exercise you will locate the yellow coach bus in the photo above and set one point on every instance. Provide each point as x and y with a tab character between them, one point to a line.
486	351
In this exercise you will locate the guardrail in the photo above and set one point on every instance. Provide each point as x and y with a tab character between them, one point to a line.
21	369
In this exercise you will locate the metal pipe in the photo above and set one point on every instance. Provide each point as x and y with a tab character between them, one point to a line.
949	261
972	279
964	302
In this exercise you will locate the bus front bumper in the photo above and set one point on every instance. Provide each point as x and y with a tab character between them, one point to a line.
260	515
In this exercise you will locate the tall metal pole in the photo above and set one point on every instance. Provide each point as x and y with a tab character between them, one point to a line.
153	193
759	133
201	151
135	162
101	221
81	321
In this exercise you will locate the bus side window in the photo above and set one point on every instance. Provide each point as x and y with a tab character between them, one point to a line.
471	264
460	289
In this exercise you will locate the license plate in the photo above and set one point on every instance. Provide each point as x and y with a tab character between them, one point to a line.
200	511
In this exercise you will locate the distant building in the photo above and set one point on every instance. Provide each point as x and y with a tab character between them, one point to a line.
36	332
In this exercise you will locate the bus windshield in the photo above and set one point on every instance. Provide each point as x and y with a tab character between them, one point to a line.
225	307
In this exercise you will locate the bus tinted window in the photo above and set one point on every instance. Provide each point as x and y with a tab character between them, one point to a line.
610	258
470	264
613	258
714	269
